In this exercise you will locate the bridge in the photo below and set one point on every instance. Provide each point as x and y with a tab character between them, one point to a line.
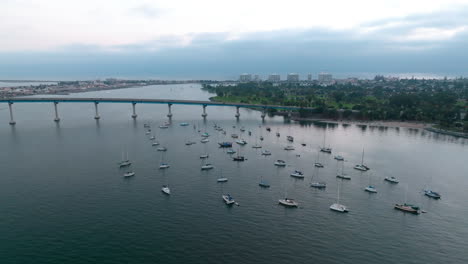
133	101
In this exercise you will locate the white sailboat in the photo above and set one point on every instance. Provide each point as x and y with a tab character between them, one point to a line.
129	174
342	175
337	206
361	166
370	188
325	149
317	184
165	189
125	161
163	164
221	178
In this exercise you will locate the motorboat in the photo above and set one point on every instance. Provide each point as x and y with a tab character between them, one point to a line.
234	135
288	202
204	156
164	165
339	158
266	152
207	166
241	142
289	147
204	140
432	194
297	174
164	126
391	179
370	189
264	184
161	149
222	180
343	176
188	143
318	185
129	174
256	146
152	138
409	208
290	138
339	208
318	165
165	189
205	135
225	145
228	199
230	151
148	132
156	143
242	129
280	163
184	124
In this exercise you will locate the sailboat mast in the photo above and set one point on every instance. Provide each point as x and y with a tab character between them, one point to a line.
362	159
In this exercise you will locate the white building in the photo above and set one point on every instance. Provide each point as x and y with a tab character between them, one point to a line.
309	77
293	77
245	77
274	78
325	78
256	78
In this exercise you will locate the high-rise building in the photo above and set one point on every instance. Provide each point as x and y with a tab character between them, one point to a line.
325	78
256	78
293	77
245	77
309	77
274	78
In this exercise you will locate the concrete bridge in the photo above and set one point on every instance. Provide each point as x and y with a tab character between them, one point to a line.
133	101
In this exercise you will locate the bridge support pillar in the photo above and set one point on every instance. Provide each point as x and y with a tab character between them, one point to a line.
204	112
97	110
12	121
56	119
170	113
263	113
134	115
237	112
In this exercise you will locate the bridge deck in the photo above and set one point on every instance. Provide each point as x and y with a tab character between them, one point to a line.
141	101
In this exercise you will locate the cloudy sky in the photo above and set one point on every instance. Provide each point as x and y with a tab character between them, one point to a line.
221	39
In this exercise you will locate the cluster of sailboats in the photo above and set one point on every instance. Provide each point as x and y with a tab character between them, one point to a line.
297	173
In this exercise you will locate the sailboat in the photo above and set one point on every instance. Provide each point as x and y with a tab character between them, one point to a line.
228	199
361	166
430	193
238	157
337	206
162	164
221	178
318	185
325	149
206	166
370	188
129	174
297	174
125	161
408	208
165	189
343	175
317	161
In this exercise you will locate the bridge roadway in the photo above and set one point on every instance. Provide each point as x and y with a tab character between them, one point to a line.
134	101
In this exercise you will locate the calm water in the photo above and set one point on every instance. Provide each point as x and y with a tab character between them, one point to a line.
63	199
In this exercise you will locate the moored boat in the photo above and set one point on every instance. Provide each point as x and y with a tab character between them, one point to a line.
288	202
165	189
297	174
391	179
409	208
228	199
280	163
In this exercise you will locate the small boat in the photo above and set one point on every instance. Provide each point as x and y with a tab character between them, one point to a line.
222	180
318	165
256	146
250	133
205	140
370	189
318	185
129	174
148	132
409	208
264	184
161	149
360	167
204	156
297	174
339	157
391	179
156	143
188	143
234	135
343	176
152	138
165	189
278	134
432	194
241	142
224	132
266	152
303	144
125	163
146	125
228	199
207	166
163	126
288	202
261	138
339	208
164	166
289	147
184	124
326	150
230	151
242	129
205	135
280	163
225	145
268	129
238	158
290	138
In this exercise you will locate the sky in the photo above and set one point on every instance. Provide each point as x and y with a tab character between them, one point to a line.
206	39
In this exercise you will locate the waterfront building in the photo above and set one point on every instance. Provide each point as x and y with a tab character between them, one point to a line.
274	77
245	77
325	78
293	77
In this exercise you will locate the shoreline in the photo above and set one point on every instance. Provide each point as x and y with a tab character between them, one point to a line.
377	123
